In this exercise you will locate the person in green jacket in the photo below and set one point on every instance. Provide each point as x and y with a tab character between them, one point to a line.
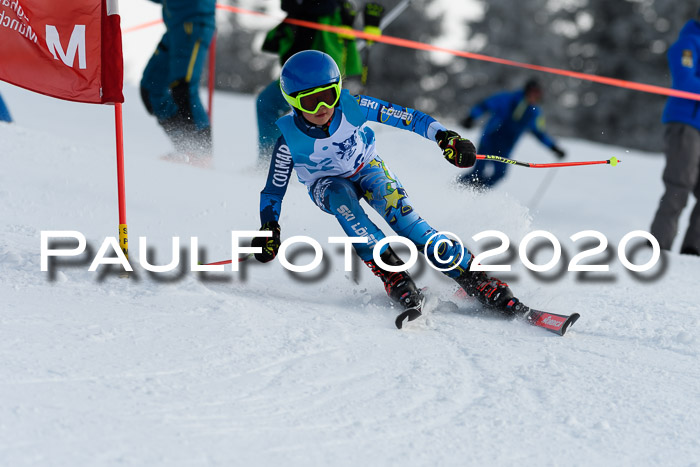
287	39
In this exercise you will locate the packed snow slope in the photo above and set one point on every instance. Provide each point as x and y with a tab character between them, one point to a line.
265	367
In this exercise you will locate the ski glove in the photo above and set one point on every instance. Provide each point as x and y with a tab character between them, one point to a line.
348	12
372	17
373	14
269	245
457	150
558	151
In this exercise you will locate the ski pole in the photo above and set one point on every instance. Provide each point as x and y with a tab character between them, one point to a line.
612	161
393	14
229	261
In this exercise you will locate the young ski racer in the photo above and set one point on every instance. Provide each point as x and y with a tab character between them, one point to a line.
327	140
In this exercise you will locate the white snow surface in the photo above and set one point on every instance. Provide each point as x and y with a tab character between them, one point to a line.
266	368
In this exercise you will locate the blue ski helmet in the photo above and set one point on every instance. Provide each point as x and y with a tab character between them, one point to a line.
308	69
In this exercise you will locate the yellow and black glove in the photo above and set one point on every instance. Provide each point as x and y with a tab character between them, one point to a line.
372	16
457	150
269	245
348	13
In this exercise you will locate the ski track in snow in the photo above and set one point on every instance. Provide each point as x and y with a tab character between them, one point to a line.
262	368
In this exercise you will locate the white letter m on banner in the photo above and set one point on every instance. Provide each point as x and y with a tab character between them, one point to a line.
76	44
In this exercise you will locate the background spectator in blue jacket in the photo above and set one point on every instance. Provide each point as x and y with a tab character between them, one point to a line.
682	140
4	112
170	82
512	113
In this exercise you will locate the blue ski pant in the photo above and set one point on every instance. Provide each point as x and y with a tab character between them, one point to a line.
380	188
170	82
4	112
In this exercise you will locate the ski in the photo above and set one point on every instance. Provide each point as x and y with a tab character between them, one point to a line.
411	313
557	324
552	322
428	304
408	314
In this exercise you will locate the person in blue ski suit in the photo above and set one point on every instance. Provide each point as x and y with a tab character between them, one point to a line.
170	82
327	141
4	112
681	117
512	113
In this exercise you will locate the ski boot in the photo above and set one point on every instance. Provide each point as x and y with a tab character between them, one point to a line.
398	285
490	292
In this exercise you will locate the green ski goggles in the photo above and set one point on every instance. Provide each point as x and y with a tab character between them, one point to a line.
312	100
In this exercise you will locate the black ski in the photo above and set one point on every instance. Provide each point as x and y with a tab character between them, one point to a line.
428	304
558	324
552	322
409	314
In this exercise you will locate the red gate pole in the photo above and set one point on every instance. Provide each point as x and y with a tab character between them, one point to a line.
121	186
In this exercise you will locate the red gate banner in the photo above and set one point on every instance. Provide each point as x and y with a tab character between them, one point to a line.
69	49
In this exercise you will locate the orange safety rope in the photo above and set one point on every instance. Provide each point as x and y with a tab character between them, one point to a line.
406	43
